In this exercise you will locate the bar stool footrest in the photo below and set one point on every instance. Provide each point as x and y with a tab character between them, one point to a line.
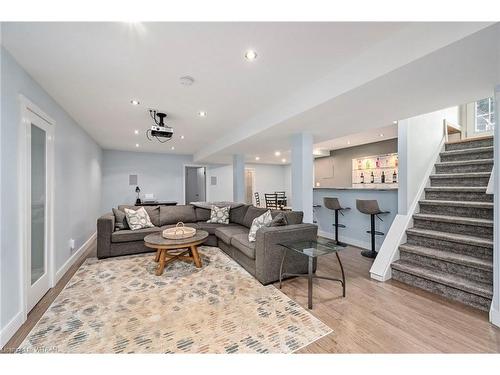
376	232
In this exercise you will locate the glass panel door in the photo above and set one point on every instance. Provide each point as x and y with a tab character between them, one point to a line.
38	203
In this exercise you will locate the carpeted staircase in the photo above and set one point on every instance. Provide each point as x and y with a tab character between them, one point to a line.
449	250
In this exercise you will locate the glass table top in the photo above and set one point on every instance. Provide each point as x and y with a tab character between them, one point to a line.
313	248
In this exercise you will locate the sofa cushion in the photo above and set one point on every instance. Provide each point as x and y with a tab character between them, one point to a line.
279	220
174	214
202	214
128	235
240	241
219	215
153	212
120	219
251	214
211	227
237	214
292	217
227	232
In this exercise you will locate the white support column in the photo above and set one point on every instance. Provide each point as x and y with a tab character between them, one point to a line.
495	305
302	174
239	178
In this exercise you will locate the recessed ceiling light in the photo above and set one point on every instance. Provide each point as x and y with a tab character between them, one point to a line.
257	158
136	132
186	80
202	114
134	102
137	145
381	134
348	142
277	153
283	160
250	55
182	137
172	148
395	122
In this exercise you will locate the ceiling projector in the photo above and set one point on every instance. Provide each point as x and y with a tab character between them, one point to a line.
160	131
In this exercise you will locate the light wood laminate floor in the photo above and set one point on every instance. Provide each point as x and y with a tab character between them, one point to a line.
373	318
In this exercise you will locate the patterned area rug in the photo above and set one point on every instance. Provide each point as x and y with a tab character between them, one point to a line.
118	305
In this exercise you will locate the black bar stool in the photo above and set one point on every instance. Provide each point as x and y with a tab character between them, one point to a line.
370	207
334	204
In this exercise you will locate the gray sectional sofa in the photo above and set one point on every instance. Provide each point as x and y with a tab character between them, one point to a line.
261	258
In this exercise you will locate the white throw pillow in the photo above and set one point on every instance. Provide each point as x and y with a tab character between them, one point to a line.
138	219
262	221
219	215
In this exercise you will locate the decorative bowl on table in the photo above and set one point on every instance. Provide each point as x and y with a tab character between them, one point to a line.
178	232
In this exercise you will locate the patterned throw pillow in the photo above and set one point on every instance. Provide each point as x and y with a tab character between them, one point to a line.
138	219
261	221
219	215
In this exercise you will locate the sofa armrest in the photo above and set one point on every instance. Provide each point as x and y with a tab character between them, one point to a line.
105	228
268	252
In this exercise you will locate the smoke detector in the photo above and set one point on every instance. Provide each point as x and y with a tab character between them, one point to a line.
187	80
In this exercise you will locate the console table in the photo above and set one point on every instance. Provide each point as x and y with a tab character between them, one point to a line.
158	203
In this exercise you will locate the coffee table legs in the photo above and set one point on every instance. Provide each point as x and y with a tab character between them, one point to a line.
160	254
196	256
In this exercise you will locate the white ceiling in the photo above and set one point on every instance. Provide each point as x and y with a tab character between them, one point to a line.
94	69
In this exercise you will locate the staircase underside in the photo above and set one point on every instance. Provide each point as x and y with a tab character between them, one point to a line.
449	249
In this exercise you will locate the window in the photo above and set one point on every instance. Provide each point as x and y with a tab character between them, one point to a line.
484	115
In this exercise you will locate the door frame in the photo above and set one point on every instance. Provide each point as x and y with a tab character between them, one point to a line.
253	184
184	179
28	112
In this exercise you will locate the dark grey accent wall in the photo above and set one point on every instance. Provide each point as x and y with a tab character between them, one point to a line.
336	170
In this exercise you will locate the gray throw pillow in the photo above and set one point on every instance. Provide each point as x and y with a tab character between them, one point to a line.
279	221
138	219
219	215
120	220
262	221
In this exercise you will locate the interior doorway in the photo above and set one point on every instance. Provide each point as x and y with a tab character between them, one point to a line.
195	184
249	185
36	185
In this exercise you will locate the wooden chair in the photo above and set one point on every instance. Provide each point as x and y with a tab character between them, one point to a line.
281	197
257	199
271	201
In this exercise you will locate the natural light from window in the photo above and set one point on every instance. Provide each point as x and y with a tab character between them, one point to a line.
485	115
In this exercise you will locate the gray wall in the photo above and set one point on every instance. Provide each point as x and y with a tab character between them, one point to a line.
77	180
160	174
342	162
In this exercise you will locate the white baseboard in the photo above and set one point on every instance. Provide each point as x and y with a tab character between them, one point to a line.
495	317
72	259
348	240
8	331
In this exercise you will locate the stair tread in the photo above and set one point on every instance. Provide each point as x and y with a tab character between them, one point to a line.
451	280
475	189
448	256
456	219
470	140
473	204
467	150
465	162
452	237
461	175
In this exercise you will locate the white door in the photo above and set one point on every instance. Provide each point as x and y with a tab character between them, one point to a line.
38	203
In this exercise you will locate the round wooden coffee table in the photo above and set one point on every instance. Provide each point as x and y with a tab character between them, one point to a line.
175	249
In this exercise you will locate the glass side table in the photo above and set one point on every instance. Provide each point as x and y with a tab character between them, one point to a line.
313	250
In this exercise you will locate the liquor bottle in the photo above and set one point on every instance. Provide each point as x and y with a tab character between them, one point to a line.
394	177
382	178
377	163
362	178
372	178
